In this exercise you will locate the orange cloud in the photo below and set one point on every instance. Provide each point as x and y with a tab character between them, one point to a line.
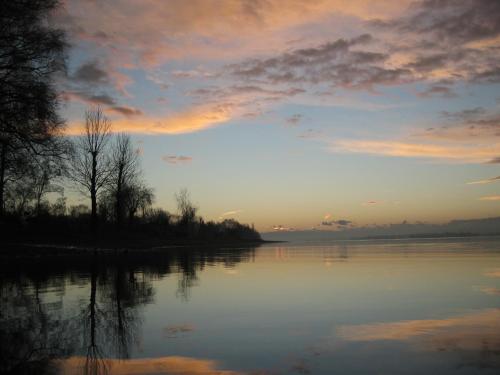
490	198
229	213
486	181
460	152
191	120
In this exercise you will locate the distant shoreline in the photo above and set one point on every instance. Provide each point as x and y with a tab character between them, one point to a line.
426	236
393	238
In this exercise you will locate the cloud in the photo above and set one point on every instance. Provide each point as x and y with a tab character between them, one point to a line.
101	99
88	98
490	198
461	152
126	111
437	90
430	62
466	115
371	203
246	92
335	63
475	123
91	73
311	134
154	34
173	159
487	181
194	73
488	76
237	59
294	120
229	213
280	228
336	47
340	223
185	121
450	21
83	82
380	58
343	222
446	39
244	101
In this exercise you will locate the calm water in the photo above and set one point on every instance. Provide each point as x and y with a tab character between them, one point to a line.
426	307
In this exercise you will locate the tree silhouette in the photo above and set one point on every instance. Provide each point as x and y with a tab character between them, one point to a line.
90	165
31	53
125	173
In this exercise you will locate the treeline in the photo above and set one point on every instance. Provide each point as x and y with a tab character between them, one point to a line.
106	168
38	164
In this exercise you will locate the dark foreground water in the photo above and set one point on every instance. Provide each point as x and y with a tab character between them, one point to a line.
426	307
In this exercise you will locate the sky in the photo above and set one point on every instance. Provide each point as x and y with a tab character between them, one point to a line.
296	113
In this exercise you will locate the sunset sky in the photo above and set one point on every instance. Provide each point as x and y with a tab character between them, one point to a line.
299	112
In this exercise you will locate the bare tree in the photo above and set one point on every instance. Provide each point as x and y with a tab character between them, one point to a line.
90	167
125	172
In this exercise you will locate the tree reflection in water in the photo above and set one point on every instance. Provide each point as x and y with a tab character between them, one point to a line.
36	332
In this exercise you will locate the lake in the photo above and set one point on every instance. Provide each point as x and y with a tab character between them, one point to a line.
354	307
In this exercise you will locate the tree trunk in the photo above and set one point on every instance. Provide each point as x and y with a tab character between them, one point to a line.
93	193
119	204
3	157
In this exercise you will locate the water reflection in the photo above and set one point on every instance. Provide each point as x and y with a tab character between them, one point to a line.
490	290
111	322
40	335
397	308
474	337
173	365
32	331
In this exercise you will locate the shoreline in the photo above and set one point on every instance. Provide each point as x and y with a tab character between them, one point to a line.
39	249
